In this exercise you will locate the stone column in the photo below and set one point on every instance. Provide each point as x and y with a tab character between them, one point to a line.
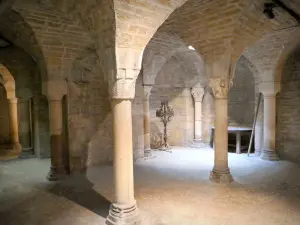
147	123
25	126
221	172
198	93
123	210
269	91
36	130
57	170
13	123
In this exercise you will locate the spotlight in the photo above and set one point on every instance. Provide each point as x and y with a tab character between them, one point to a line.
191	48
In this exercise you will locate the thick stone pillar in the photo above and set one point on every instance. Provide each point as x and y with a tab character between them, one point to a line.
221	172
198	93
269	91
55	90
123	210
25	124
13	123
57	170
147	124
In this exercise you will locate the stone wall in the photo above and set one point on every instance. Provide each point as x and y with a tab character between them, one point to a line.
31	113
288	110
4	128
169	85
241	99
208	111
89	114
138	120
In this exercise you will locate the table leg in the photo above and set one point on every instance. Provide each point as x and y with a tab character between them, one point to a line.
238	142
211	143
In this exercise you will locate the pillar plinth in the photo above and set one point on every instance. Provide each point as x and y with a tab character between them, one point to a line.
221	172
146	108
57	170
269	91
123	210
198	93
13	124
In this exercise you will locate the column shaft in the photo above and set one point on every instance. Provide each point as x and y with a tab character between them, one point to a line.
13	120
13	123
58	169
269	152
36	130
221	172
147	148
123	210
198	120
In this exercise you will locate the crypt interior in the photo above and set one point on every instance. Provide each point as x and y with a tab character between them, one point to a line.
81	136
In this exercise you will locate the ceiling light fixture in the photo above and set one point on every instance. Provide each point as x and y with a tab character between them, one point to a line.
191	48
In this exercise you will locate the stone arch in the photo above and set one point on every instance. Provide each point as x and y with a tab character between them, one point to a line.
120	39
287	51
268	54
194	66
287	104
8	82
161	48
241	97
23	36
24	70
61	40
208	27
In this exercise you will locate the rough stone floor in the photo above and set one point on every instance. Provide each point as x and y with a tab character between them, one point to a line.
171	189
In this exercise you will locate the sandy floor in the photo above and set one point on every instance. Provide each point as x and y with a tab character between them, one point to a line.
171	189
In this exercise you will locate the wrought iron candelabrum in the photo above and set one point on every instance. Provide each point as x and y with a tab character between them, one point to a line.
165	113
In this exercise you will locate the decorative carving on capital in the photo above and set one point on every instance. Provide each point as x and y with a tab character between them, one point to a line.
220	87
147	91
123	86
197	93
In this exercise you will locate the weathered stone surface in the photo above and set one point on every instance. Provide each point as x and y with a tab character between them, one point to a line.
241	98
287	128
170	85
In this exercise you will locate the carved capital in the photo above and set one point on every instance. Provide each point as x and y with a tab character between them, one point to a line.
147	91
197	93
220	87
123	86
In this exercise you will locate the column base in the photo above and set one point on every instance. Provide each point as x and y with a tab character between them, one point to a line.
57	173
17	147
123	215
198	140
219	176
147	152
269	155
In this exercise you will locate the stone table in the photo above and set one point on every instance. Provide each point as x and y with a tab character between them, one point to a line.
238	131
